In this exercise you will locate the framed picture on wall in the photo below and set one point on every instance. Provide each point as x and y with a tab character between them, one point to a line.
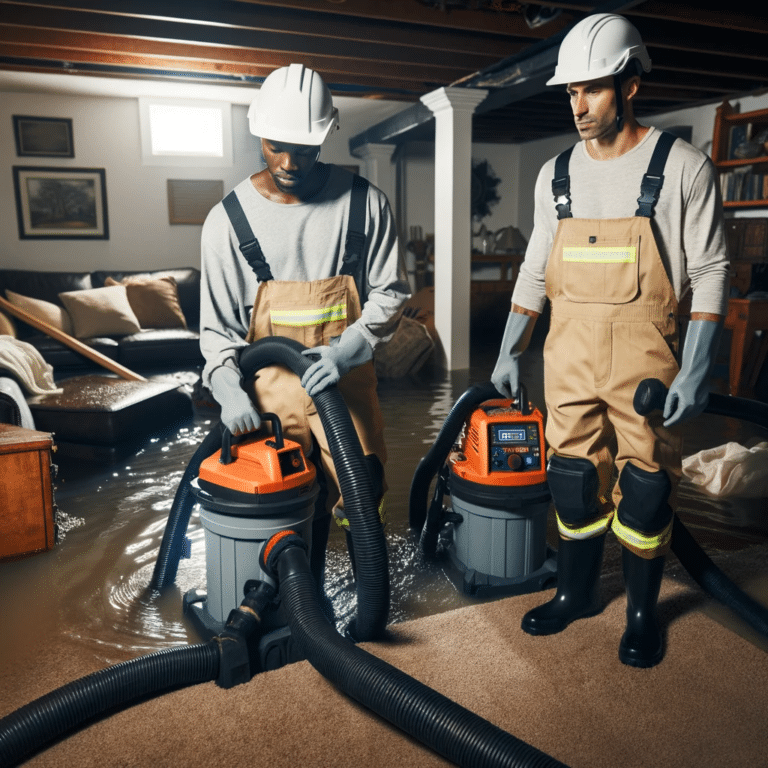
61	203
190	200
43	136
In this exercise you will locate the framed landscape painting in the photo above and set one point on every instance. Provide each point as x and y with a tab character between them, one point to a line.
61	203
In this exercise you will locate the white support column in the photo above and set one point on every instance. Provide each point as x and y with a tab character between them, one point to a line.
453	109
379	169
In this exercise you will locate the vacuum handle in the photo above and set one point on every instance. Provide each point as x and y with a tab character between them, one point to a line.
522	399
227	437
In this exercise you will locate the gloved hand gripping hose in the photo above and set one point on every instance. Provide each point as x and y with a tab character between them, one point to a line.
461	736
651	395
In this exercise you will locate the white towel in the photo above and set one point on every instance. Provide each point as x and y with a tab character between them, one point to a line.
731	469
28	366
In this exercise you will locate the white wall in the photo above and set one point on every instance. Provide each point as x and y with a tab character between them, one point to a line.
106	135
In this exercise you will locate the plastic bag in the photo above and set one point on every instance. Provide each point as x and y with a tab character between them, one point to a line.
730	470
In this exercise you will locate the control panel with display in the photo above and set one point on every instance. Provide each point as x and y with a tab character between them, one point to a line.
514	447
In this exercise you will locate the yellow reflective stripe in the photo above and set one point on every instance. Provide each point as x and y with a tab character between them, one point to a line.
298	318
643	542
591	529
600	254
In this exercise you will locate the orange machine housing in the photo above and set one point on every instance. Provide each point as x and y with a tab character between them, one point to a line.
259	467
502	446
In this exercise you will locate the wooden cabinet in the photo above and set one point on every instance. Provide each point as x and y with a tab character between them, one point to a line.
27	510
740	153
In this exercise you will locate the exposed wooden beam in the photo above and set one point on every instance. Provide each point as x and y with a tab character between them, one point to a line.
78	47
203	34
509	23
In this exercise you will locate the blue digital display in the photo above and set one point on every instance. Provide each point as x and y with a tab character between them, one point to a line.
510	435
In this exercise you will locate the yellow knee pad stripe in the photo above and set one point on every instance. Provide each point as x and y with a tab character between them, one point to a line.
643	544
587	531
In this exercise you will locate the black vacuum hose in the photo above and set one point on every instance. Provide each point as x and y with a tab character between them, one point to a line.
650	396
360	504
435	457
172	545
59	712
458	734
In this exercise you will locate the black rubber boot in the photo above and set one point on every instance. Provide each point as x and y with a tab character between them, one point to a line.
642	644
578	577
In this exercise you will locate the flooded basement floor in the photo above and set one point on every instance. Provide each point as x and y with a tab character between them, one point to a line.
91	589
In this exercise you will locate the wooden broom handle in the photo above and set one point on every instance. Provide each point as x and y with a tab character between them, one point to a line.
70	341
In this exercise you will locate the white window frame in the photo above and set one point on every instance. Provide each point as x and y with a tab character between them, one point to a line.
185	158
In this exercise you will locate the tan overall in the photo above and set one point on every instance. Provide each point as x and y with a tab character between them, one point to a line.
313	313
614	323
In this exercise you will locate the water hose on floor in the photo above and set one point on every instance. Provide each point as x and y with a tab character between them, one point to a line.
444	726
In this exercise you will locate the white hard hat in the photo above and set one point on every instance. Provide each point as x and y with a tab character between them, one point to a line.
599	46
293	105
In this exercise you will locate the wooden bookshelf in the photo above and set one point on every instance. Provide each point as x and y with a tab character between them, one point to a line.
743	180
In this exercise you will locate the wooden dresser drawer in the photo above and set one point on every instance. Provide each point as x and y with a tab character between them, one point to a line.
27	511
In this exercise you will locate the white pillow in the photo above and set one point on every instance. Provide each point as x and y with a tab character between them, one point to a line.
46	311
100	312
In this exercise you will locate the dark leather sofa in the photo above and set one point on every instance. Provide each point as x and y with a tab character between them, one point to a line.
149	349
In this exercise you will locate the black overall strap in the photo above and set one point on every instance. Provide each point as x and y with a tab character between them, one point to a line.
249	245
654	176
561	185
354	245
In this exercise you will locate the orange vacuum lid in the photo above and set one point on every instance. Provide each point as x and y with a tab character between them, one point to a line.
258	466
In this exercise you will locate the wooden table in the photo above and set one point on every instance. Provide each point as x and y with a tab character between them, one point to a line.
745	316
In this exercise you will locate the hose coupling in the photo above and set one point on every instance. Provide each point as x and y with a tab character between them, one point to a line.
271	551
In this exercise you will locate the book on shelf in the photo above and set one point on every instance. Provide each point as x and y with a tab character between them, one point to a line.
743	185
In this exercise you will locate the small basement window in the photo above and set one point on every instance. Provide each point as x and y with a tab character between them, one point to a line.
191	133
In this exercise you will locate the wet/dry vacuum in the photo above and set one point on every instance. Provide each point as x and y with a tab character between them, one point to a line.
490	459
248	491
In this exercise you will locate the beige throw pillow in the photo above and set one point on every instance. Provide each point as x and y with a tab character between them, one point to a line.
46	311
154	300
100	312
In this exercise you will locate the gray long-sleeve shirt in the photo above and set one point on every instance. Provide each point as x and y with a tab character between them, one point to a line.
687	223
301	242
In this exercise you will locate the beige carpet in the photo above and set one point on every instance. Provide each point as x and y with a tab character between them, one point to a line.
568	695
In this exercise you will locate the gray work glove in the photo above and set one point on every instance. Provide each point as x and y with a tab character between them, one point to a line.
689	394
237	410
344	353
517	335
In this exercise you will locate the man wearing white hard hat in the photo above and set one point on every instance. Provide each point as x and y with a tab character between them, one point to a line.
305	250
628	224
